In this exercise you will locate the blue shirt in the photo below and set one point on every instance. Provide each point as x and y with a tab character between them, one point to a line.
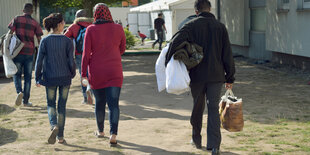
55	63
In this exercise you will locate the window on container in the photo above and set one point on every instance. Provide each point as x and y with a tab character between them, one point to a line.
306	4
284	4
258	19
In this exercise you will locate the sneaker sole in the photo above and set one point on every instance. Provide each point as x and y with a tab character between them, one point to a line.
52	138
19	98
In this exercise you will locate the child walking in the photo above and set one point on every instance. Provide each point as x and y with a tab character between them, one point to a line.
55	69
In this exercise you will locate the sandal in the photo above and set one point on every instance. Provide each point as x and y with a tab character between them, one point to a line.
113	142
98	135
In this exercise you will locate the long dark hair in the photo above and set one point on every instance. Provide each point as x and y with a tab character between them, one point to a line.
52	21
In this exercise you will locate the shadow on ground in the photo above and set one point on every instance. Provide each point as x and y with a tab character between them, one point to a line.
80	149
147	149
268	95
5	109
7	136
4	80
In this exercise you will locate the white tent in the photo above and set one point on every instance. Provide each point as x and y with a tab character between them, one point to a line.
175	11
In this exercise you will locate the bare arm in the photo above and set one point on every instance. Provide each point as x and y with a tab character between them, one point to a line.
165	27
39	39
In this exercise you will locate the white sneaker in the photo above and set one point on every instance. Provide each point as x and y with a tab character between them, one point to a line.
19	99
29	104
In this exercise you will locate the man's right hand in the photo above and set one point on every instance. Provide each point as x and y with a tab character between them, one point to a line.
228	85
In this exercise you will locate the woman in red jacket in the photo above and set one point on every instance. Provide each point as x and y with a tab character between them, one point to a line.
104	43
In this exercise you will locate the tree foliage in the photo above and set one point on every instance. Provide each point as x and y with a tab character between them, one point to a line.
130	39
141	2
81	4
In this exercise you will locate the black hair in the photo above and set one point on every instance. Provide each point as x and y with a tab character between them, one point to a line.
138	30
160	14
28	7
201	5
52	21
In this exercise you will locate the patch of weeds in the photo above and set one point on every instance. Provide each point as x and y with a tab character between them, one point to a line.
22	140
305	140
274	135
261	138
273	153
6	119
232	136
305	148
298	147
31	119
159	131
242	134
260	130
241	148
257	150
117	149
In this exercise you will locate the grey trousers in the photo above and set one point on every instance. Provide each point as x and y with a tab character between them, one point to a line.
201	93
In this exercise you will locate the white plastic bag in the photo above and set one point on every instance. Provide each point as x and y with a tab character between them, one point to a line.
13	45
178	79
9	66
160	69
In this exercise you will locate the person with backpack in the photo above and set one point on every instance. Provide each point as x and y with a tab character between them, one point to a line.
76	31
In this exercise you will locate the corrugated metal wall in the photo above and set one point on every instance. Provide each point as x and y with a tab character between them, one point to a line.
8	10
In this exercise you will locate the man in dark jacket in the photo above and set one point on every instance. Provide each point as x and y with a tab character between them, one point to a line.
207	78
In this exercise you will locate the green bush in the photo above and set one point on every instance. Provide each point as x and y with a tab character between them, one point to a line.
130	39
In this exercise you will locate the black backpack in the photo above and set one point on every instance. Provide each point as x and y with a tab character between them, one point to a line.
79	40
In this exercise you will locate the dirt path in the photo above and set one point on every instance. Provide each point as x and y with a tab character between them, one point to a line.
276	108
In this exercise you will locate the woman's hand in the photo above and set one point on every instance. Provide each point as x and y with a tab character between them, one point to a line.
38	85
84	81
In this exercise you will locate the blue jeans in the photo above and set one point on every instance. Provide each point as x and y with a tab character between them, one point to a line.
160	38
108	95
78	61
51	107
23	63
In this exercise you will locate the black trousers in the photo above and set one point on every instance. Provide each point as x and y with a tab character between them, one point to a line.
201	93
